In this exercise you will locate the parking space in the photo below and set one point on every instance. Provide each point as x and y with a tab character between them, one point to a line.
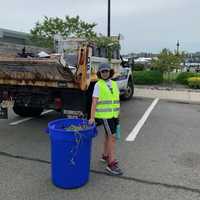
163	162
167	147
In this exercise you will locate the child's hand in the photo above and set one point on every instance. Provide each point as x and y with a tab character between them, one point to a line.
91	121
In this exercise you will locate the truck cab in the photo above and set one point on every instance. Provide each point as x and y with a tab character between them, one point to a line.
96	55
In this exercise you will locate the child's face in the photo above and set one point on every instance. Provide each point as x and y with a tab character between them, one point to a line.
105	74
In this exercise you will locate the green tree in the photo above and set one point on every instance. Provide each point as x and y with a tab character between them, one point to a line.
109	43
167	62
44	31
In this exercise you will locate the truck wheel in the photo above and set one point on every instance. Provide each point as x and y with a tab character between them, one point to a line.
27	111
129	91
36	112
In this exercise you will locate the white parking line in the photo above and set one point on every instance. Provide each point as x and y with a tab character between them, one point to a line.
131	137
28	118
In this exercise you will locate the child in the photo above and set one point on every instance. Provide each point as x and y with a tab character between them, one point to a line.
106	107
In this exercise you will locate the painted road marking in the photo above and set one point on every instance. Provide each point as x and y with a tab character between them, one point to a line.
131	137
28	118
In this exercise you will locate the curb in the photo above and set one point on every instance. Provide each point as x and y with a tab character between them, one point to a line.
170	100
167	89
182	96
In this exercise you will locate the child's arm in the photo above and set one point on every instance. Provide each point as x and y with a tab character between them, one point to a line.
93	110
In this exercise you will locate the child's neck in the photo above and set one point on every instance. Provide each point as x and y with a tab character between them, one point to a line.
106	79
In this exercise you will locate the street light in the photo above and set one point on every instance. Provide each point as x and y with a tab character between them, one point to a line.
177	45
109	18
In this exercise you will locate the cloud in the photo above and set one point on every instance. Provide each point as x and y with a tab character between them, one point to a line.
145	24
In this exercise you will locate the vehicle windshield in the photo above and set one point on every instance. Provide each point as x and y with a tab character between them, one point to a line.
71	59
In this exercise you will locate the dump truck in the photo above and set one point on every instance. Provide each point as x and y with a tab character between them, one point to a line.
63	82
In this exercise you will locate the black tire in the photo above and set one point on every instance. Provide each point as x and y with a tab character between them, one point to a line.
130	90
27	111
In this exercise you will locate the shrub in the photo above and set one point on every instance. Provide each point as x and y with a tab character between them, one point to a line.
170	77
182	78
147	77
194	82
138	67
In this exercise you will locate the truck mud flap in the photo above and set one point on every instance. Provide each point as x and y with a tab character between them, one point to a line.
3	113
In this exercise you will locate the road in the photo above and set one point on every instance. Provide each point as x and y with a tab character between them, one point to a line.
162	162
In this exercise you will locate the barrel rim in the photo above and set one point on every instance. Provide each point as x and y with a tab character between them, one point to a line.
56	129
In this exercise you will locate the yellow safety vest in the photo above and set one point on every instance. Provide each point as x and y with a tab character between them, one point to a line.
108	105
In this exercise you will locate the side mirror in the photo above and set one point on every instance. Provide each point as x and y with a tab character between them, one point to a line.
125	64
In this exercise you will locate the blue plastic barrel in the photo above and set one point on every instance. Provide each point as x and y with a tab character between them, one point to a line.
70	152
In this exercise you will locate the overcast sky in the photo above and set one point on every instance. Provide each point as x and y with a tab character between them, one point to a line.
147	25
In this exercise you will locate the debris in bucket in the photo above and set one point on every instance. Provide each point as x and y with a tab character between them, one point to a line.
76	128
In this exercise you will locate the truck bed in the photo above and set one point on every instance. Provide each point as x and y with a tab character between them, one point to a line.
35	72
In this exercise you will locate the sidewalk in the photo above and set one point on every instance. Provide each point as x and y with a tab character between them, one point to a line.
176	93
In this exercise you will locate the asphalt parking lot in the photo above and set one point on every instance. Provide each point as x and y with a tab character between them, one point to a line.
161	162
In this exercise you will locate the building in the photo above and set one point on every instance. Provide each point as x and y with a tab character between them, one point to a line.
14	37
13	42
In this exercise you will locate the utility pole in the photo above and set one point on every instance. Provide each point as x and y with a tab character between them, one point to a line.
109	18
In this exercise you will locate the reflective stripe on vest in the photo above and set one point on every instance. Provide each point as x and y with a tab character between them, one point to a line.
107	109
108	105
108	102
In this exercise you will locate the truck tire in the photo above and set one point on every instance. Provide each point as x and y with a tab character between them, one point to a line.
129	91
27	111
